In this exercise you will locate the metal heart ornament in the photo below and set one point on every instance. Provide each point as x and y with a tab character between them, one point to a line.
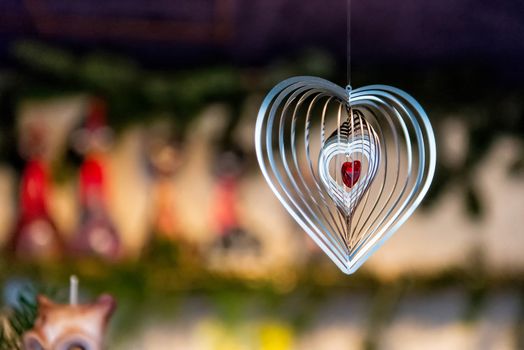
349	166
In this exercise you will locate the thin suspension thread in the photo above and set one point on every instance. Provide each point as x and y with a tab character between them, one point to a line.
348	39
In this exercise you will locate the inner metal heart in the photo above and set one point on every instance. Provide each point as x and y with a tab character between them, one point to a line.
354	141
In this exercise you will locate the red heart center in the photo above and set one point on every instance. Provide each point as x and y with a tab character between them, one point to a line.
350	173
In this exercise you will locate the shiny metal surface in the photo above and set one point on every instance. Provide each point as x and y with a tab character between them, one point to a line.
308	127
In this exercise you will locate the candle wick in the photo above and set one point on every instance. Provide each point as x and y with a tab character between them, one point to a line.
73	290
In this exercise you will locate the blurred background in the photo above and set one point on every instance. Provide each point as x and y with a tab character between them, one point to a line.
127	158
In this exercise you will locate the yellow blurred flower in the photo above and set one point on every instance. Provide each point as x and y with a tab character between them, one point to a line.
276	336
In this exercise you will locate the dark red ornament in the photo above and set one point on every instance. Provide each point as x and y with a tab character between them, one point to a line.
351	172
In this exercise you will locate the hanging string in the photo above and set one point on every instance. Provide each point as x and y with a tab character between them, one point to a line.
348	53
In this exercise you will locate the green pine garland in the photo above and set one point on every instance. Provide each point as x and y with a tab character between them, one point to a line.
15	321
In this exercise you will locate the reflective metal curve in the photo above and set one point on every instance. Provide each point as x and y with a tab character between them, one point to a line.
350	168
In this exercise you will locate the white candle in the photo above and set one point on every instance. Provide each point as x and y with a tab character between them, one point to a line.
73	290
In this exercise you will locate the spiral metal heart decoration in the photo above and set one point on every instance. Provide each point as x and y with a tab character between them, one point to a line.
349	166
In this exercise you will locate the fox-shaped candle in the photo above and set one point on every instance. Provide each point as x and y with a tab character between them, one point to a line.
70	326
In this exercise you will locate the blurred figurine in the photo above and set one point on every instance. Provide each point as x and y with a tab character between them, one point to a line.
226	224
97	234
70	326
163	156
35	235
